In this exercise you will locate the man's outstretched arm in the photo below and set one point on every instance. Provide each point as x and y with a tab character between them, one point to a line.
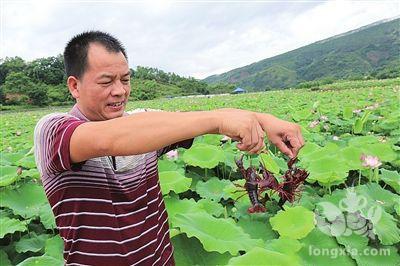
145	132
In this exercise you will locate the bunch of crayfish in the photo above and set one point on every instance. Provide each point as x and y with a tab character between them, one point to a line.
288	189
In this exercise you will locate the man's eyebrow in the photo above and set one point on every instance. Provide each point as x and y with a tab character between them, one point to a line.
127	74
106	76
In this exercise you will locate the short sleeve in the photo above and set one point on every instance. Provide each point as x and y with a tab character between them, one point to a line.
52	138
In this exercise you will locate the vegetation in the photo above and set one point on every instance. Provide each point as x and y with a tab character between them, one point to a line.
342	124
42	83
369	52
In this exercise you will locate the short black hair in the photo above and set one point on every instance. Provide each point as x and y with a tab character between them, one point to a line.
76	51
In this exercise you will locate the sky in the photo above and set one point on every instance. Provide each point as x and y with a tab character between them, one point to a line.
190	38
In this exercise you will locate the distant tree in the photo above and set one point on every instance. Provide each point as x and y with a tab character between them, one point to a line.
10	64
17	82
49	70
59	95
38	94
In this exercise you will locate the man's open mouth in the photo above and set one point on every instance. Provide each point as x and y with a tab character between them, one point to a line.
116	104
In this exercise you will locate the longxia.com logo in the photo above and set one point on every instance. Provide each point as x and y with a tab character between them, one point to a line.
352	215
334	253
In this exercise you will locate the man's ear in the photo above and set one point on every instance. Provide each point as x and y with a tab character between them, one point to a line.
72	83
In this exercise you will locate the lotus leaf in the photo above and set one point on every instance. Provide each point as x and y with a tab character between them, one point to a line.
257	229
284	245
321	249
216	234
213	189
268	161
261	256
54	248
204	156
392	178
11	225
41	261
189	251
294	222
31	242
4	261
25	200
8	175
174	181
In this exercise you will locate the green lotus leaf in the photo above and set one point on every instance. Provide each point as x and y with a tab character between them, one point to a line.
211	207
383	150
308	149
269	163
362	141
210	139
301	114
31	242
204	156
174	181
329	150
328	170
54	248
11	158
8	175
189	251
358	126
351	157
216	234
47	217
4	261
257	229
294	222
41	261
392	178
213	189
11	225
261	256
284	245
385	255
27	162
185	206
376	195
321	249
347	112
166	165
353	241
385	228
25	200
32	173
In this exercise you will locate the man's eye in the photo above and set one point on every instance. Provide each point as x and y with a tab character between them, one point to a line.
125	80
106	83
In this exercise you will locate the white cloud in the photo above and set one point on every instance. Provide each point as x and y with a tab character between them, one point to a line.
188	38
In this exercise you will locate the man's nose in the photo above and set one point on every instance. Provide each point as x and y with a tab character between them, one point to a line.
118	89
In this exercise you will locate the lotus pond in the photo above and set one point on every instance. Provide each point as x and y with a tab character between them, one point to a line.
348	213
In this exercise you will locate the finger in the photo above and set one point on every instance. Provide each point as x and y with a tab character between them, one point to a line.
245	142
255	139
258	148
294	144
284	149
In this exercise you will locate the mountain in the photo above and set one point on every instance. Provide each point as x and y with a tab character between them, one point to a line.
370	50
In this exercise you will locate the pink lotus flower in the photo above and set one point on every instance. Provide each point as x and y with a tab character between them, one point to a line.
172	155
357	111
370	161
314	123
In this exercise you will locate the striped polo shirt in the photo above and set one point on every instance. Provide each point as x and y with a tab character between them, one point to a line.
108	210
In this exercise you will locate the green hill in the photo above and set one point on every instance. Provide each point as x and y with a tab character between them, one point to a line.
372	50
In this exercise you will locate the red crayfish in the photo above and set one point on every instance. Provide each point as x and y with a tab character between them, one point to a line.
288	189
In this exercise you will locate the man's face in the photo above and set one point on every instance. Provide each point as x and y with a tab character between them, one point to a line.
104	88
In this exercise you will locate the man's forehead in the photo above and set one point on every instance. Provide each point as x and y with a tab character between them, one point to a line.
99	56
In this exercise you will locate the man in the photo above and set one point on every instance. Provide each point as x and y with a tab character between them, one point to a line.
99	165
